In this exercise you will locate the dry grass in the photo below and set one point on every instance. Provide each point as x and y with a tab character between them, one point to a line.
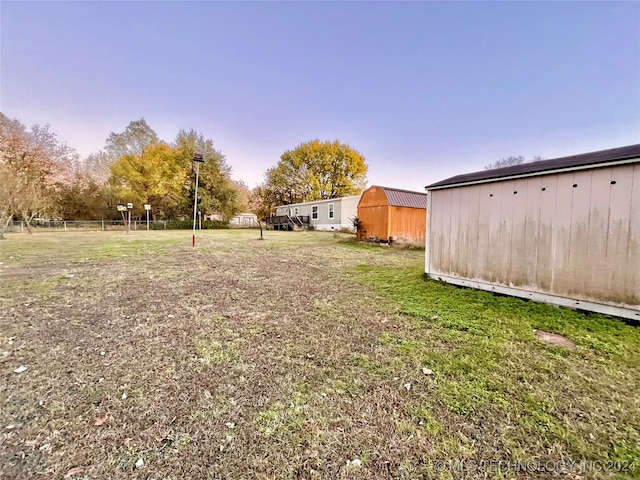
287	358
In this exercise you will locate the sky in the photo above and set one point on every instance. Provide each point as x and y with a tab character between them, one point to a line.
423	90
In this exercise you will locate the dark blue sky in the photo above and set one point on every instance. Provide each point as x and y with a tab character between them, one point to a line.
424	90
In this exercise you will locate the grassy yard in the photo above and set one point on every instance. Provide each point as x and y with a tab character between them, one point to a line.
302	356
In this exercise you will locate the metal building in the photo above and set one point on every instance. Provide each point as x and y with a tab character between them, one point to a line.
564	231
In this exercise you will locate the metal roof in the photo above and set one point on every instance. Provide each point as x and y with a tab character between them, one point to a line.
544	166
405	198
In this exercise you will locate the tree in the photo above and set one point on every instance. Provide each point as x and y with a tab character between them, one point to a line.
133	141
98	167
315	171
83	198
155	176
216	191
33	165
243	195
261	202
512	160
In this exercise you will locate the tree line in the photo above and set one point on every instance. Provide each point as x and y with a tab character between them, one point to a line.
44	178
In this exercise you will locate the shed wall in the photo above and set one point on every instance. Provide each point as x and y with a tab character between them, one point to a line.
579	242
408	224
374	221
373	213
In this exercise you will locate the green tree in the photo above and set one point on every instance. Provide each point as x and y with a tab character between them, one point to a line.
217	193
315	171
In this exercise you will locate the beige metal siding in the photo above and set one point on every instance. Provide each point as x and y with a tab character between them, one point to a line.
632	280
579	242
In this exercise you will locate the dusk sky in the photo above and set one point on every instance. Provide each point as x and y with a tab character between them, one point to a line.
424	90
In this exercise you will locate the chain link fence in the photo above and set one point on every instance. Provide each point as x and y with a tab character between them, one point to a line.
95	225
111	225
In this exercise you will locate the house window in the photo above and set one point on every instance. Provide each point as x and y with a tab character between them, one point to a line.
314	212
331	210
296	211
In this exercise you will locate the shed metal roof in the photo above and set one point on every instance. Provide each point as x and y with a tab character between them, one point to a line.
543	166
405	198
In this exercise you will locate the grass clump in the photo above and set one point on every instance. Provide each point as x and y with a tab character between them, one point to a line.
216	352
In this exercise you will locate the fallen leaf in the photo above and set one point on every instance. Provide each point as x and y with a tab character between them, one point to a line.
140	463
407	386
427	371
100	420
73	471
20	369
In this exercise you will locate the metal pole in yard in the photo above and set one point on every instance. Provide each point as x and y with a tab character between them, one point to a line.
198	158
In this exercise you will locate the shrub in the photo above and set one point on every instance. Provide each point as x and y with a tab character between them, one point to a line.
188	224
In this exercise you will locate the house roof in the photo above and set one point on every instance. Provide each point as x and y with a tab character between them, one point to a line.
405	198
543	166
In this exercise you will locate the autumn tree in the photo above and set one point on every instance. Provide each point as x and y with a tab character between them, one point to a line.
98	167
315	171
243	195
84	197
33	165
155	175
262	202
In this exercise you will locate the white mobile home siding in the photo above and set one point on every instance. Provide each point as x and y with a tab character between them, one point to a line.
570	238
344	210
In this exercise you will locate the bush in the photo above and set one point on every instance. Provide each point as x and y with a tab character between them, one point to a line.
188	224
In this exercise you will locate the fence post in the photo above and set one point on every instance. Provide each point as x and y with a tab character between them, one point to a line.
165	224
65	225
22	226
103	225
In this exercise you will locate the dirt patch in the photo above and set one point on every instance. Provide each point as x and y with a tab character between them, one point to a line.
554	339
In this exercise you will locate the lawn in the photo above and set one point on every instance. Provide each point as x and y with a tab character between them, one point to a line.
304	355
